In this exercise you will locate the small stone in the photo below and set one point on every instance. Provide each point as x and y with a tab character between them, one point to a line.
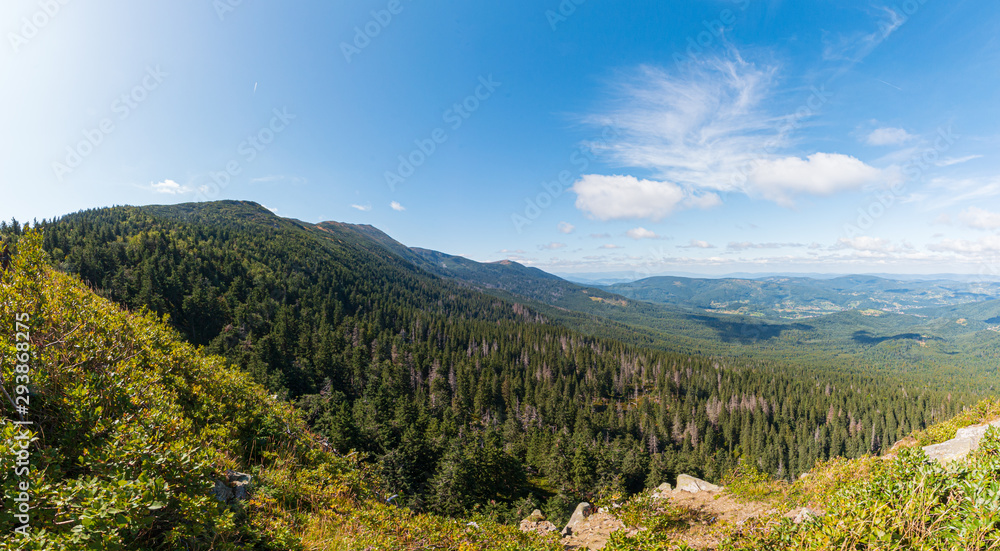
802	514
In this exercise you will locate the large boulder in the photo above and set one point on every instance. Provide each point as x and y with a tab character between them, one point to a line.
535	522
965	441
583	511
687	483
234	489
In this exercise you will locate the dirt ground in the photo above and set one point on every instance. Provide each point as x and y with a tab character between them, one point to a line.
712	509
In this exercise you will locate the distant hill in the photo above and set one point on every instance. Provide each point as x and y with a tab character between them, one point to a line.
802	297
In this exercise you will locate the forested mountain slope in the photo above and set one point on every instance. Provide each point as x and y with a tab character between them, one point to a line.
465	401
132	438
950	347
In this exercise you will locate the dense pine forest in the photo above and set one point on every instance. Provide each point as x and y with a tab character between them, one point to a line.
460	400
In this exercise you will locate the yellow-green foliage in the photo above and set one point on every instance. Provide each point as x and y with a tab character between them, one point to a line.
903	502
984	411
658	523
748	483
132	427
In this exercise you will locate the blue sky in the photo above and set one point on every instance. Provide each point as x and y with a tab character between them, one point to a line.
575	136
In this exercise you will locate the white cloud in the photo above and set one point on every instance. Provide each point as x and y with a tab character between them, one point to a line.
627	197
396	206
888	136
819	174
566	227
551	246
641	233
988	244
363	208
864	243
611	246
697	244
980	219
708	128
516	251
745	245
169	187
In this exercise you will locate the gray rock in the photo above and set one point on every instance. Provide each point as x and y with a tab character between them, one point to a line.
687	483
802	514
234	489
535	522
583	510
966	440
662	491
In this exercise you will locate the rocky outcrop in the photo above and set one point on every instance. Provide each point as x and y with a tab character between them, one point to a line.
687	483
234	489
582	511
535	522
662	491
965	441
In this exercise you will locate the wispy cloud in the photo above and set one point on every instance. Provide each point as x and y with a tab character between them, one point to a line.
396	206
865	243
854	48
611	246
362	208
746	245
947	192
273	178
697	244
551	246
566	227
707	129
980	219
988	244
949	161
